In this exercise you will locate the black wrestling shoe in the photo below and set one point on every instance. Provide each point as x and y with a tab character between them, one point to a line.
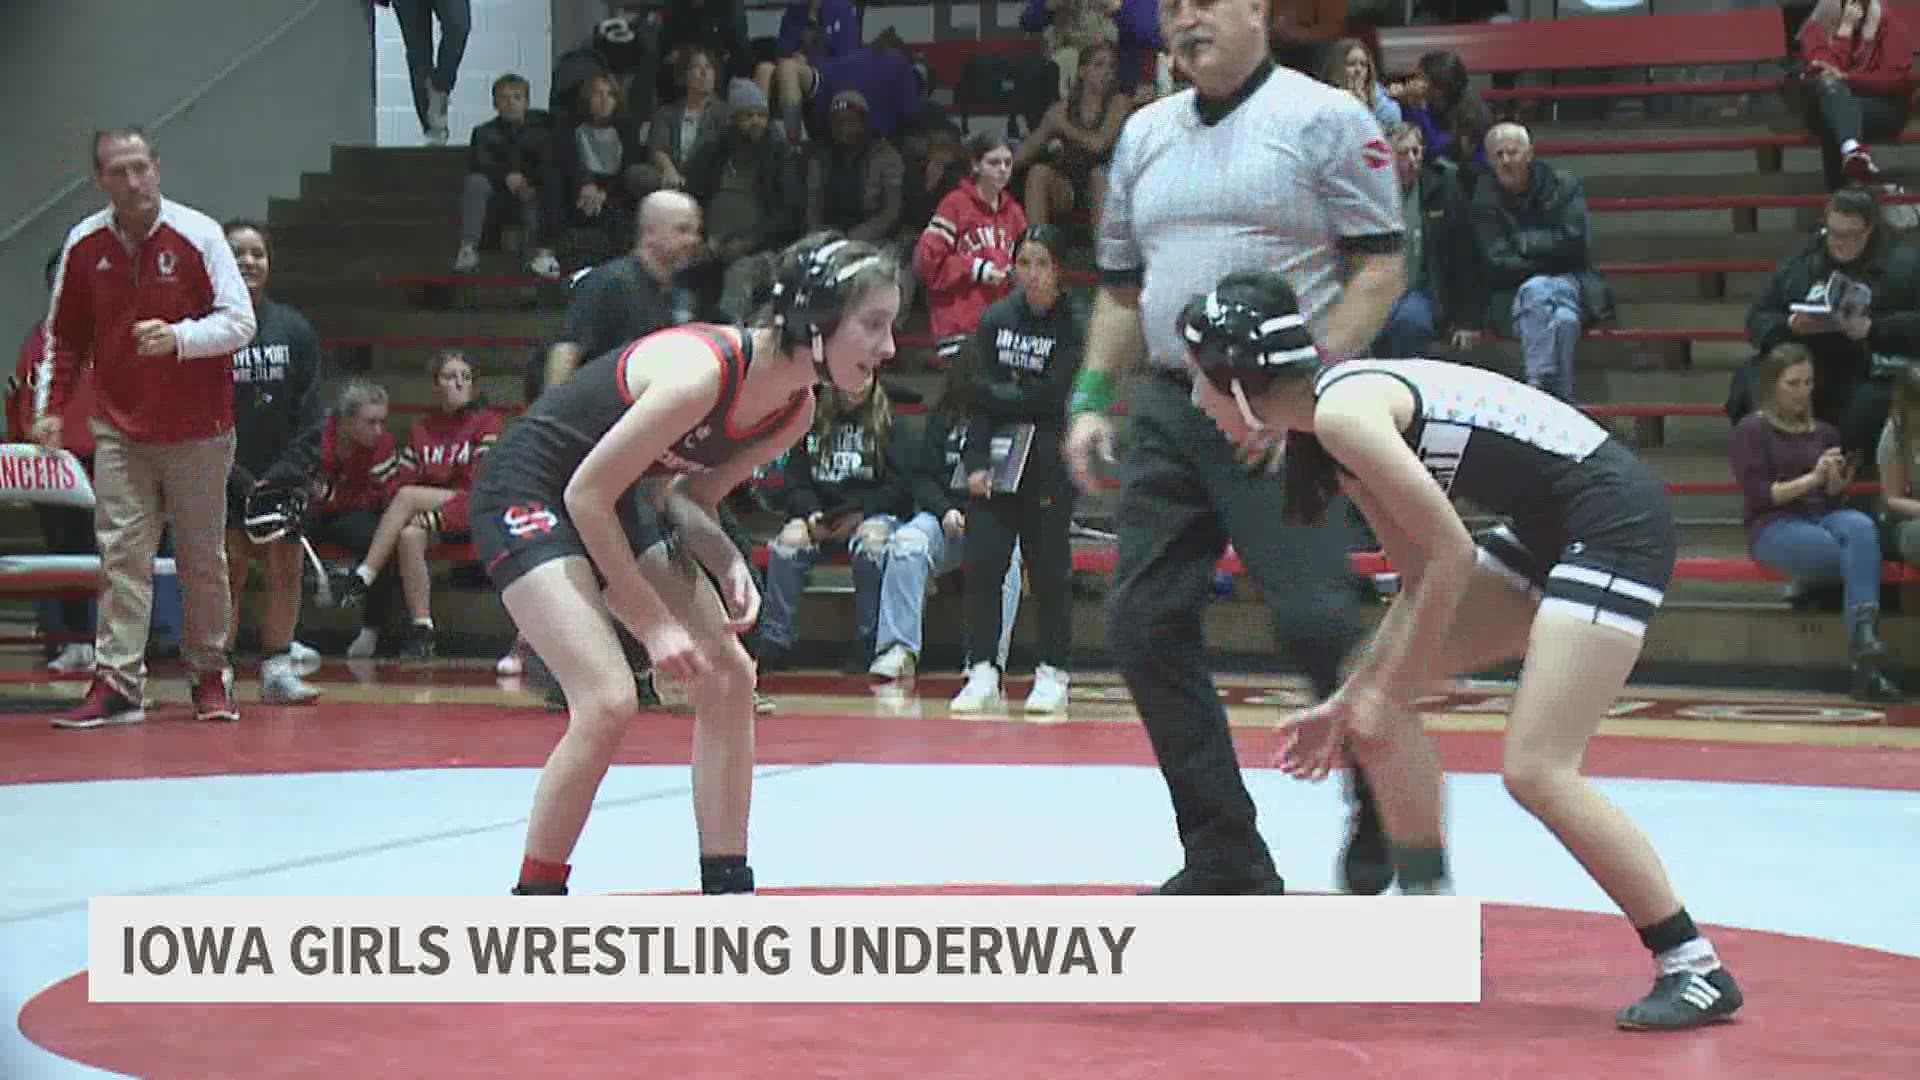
1366	862
349	589
1684	1000
539	890
1188	883
730	880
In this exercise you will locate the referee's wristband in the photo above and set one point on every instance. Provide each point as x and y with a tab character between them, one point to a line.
1092	393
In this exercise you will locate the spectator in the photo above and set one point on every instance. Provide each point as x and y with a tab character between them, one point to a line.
1858	80
1302	32
277	420
718	26
1029	347
811	33
882	72
149	295
1350	66
848	487
1066	156
965	254
1899	458
1439	97
506	165
1435	227
681	127
622	45
754	196
1792	474
354	475
1536	280
934	167
433	74
934	543
855	181
1855	244
599	168
429	505
1072	25
66	530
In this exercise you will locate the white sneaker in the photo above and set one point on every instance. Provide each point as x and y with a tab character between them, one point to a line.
437	116
468	260
895	663
982	691
1049	693
76	656
545	265
365	644
515	662
280	684
306	659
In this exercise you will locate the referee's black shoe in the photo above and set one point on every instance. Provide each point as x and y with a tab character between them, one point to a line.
1189	883
1366	862
1683	1000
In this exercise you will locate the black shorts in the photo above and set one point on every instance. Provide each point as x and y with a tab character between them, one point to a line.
1606	551
514	533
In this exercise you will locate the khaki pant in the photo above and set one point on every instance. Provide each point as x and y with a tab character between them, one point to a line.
139	488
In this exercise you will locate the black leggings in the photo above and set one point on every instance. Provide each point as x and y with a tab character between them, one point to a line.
1840	114
1044	526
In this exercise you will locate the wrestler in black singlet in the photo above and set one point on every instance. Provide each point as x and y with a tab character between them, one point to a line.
1591	527
518	510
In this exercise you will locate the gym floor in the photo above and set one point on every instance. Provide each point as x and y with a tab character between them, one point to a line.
1787	821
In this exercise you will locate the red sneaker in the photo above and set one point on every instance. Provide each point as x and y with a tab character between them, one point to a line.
103	705
1860	168
213	696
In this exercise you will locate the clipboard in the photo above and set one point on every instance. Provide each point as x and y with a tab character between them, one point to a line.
1009	450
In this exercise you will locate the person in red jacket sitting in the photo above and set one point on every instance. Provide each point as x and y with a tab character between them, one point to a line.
149	295
436	471
357	467
965	254
1859	61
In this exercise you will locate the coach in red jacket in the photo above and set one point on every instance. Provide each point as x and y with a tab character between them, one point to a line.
149	294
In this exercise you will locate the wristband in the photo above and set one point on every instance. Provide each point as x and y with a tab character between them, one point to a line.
1092	393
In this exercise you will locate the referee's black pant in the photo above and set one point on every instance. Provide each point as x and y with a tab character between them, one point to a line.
1183	495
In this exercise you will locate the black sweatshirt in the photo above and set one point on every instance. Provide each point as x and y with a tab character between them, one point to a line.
277	408
942	444
1026	362
844	477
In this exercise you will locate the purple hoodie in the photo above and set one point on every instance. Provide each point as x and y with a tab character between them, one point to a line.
835	33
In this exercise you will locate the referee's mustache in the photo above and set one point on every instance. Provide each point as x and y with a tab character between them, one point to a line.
1187	39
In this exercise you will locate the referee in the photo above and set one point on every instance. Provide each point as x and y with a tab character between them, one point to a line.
1253	168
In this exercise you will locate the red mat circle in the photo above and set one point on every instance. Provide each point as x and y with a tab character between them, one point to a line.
1553	981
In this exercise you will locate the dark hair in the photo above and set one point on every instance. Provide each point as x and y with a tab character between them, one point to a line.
983	144
53	265
957	387
237	224
1855	200
1047	236
790	275
1464	115
130	132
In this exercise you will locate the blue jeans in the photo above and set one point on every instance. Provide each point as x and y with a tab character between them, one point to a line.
787	568
1843	544
1409	328
920	549
1546	319
416	19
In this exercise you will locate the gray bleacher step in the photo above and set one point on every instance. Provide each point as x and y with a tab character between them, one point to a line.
1661	245
1665	184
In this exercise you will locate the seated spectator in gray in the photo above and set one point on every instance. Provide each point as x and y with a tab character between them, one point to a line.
1435	227
854	181
600	168
1535	279
506	163
680	128
1858	83
1066	156
1856	244
755	200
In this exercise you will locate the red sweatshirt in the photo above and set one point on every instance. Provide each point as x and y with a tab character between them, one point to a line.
181	272
75	434
1877	58
444	449
964	237
354	477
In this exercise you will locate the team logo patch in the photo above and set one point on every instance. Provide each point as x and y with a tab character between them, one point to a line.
529	519
1376	153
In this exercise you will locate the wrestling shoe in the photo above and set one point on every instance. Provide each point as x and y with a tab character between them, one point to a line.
1188	883
1366	862
1683	1000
